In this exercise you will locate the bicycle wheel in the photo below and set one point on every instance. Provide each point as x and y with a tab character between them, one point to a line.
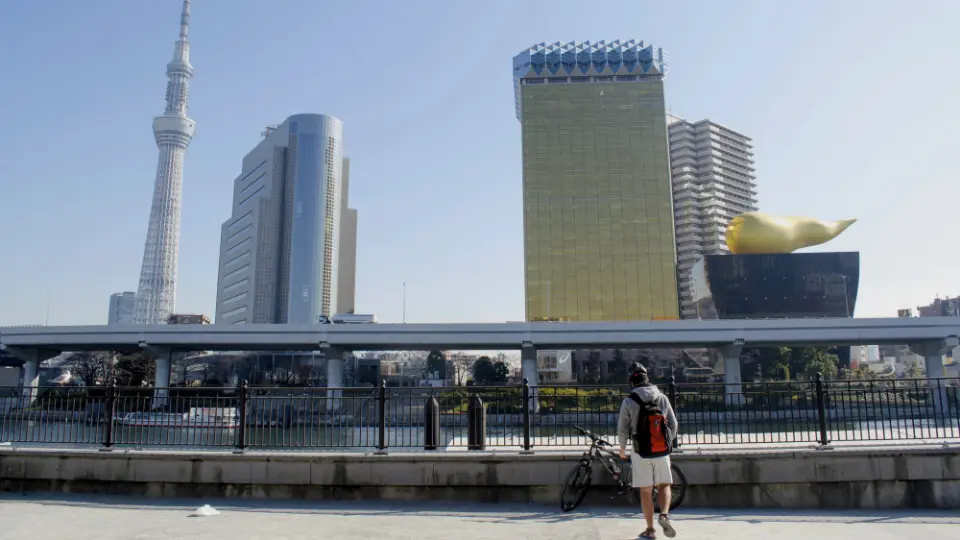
678	490
626	479
575	486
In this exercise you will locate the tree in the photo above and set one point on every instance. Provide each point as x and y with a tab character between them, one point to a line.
135	369
816	360
862	373
770	363
913	372
437	363
461	366
483	372
92	368
501	372
591	369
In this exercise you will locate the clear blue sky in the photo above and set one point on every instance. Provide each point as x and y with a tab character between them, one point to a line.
853	107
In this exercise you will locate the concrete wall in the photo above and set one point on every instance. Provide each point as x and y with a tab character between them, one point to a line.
918	478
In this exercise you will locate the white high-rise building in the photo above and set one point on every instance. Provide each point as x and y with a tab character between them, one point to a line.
173	131
123	307
279	251
713	181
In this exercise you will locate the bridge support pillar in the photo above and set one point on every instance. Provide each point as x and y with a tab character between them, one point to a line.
932	353
163	361
732	380
530	372
31	371
335	368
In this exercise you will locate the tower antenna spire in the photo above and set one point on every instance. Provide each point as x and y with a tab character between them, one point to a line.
185	20
173	131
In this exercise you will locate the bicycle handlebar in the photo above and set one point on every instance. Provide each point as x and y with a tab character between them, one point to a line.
592	437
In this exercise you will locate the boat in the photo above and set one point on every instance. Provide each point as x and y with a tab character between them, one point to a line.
202	418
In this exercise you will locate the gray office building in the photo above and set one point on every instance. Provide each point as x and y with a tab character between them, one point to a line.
280	249
123	306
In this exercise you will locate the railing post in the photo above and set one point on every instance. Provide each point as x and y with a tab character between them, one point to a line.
431	424
476	424
672	396
821	408
525	397
382	418
110	412
243	397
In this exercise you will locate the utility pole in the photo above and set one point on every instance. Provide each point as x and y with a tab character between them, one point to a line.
404	303
46	321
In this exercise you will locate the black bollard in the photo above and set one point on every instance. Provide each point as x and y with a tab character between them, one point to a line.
431	424
477	424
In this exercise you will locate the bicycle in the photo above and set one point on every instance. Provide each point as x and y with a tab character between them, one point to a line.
579	480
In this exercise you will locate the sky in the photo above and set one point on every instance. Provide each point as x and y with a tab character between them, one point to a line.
852	107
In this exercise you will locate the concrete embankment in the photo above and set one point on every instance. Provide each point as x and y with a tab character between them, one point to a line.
838	478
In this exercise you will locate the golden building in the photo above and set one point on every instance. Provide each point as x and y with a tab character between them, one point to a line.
598	211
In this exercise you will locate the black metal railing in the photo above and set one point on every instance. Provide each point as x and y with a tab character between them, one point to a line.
816	412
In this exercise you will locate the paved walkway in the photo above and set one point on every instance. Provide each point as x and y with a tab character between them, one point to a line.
42	517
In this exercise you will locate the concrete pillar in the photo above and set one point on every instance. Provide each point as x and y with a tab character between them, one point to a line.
161	381
530	372
31	379
335	367
732	380
163	360
932	353
31	371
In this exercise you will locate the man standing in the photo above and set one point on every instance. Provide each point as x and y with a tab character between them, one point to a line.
647	418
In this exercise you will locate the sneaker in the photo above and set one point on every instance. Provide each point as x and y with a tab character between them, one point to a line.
649	534
667	527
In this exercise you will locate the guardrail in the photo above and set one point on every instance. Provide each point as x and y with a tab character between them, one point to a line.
817	412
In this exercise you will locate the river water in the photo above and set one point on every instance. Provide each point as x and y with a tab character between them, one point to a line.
307	437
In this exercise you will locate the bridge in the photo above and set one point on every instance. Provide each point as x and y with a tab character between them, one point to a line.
929	337
547	336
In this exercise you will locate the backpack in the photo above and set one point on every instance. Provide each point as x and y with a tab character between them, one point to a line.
650	438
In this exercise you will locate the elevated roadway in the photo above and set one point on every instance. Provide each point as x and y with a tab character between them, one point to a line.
544	336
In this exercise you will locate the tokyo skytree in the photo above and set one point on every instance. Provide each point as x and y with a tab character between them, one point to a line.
173	132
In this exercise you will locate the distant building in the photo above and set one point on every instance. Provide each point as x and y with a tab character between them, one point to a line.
555	367
940	307
280	249
180	318
713	182
123	306
597	212
347	271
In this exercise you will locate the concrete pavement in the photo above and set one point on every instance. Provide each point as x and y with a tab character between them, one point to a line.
41	517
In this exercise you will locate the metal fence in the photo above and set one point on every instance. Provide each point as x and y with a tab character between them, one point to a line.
817	412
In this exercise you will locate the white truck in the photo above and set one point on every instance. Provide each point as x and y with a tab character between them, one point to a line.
348	318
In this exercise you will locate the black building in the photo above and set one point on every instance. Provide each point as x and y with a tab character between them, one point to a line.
777	286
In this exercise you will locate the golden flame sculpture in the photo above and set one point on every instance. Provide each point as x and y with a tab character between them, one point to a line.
758	233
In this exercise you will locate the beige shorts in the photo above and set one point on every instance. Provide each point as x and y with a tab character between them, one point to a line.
648	472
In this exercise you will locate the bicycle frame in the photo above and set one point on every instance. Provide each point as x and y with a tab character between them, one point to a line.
602	451
610	461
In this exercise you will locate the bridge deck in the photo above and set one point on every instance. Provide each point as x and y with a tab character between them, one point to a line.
643	334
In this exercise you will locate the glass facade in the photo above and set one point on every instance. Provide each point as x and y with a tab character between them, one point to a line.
315	219
598	212
789	285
